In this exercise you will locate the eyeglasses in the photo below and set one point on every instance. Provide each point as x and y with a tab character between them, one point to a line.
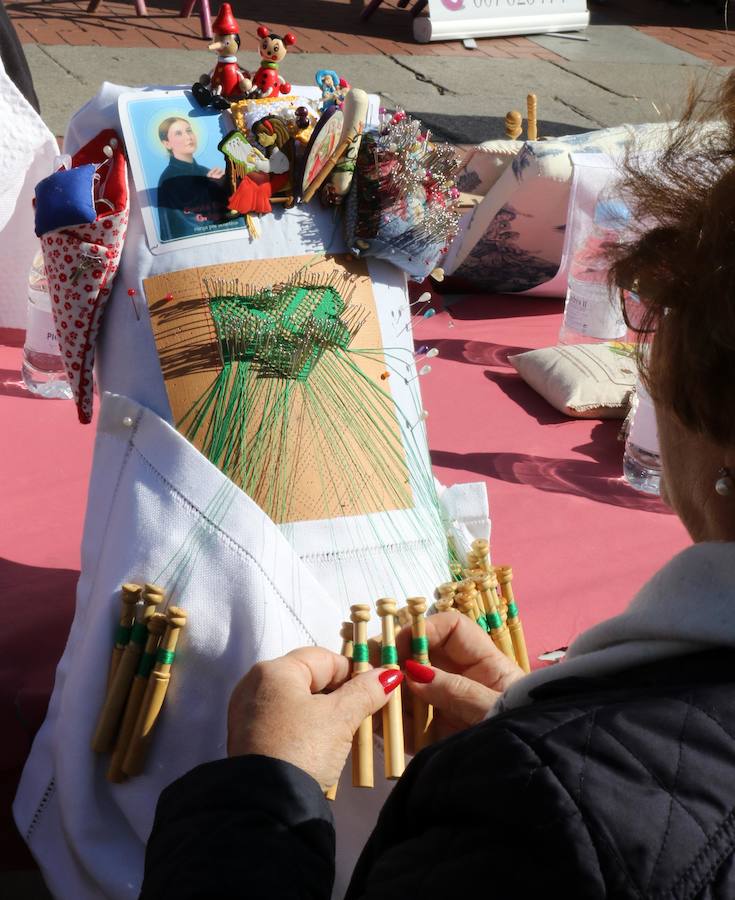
635	311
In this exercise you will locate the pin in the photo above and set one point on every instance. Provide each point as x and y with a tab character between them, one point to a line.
131	293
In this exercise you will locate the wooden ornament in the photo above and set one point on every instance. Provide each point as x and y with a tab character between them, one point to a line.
109	719
423	714
395	758
532	117
513	125
155	693
362	743
129	597
156	627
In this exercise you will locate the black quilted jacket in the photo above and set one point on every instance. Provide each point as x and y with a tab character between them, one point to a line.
618	788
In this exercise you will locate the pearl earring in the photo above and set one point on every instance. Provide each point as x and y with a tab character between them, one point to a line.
725	485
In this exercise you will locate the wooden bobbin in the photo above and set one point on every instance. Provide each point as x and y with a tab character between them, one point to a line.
504	575
155	693
501	636
347	634
489	599
117	696
513	125
532	107
156	627
395	757
481	550
130	594
423	714
518	638
404	617
465	605
362	743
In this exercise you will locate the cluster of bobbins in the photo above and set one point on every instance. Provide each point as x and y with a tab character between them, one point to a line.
138	678
355	647
486	596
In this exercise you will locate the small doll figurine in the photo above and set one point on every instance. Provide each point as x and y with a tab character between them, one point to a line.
334	89
270	177
227	81
273	49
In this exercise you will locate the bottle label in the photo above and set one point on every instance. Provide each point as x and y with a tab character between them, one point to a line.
593	313
643	431
41	331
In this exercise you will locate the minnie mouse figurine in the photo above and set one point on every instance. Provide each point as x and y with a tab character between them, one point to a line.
273	48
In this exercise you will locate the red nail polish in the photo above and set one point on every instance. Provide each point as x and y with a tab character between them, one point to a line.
390	679
418	672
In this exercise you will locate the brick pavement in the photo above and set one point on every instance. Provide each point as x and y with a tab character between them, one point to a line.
334	26
322	26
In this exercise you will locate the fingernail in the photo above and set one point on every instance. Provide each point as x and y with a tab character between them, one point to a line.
390	679
418	672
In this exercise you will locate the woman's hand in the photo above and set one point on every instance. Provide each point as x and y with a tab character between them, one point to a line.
216	173
278	709
467	674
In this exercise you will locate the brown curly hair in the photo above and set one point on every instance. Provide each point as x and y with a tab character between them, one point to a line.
681	262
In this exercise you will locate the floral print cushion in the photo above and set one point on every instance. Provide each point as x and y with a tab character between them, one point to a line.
512	241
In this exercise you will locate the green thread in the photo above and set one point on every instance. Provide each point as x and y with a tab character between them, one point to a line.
146	664
512	610
139	633
122	635
420	645
482	622
494	621
360	653
388	656
165	657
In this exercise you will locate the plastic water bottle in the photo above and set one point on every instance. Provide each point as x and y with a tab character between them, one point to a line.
641	460
592	312
43	368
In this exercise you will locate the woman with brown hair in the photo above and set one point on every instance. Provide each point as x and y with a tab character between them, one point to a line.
255	191
610	775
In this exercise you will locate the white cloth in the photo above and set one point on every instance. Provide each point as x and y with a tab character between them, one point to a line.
688	606
252	590
27	151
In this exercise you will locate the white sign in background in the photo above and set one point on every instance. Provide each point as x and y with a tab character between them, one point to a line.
459	19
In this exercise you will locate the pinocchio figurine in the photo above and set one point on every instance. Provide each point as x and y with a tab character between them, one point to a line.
273	49
227	81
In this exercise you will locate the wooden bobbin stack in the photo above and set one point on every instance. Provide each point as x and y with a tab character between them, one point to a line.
138	678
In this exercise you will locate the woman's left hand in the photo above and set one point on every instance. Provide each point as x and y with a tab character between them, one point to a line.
216	173
278	709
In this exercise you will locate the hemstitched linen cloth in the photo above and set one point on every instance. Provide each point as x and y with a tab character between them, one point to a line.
252	590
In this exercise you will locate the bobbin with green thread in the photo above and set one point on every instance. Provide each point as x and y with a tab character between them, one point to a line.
362	743
394	757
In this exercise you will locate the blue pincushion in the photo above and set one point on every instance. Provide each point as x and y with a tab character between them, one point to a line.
65	198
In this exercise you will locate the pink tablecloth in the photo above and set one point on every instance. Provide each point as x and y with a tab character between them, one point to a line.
580	541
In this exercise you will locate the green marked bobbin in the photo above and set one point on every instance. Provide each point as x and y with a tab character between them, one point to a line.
146	664
165	657
360	653
494	620
122	635
420	645
139	633
388	656
512	610
482	622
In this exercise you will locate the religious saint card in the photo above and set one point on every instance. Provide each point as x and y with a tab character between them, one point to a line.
178	170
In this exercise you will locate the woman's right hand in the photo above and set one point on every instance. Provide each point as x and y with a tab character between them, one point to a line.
467	674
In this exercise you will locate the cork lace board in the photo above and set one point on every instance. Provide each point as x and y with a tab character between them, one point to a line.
324	475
